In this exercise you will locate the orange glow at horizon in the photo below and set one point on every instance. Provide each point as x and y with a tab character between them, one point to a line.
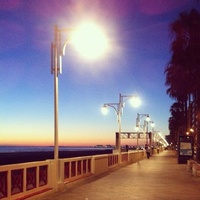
131	142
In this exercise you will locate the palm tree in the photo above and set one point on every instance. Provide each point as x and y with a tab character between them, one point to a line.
183	69
176	77
177	120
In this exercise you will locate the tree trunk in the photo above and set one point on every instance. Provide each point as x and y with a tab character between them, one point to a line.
198	148
198	127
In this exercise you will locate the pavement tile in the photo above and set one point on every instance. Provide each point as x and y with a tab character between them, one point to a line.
157	178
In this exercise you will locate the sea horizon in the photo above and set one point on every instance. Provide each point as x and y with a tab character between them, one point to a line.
32	148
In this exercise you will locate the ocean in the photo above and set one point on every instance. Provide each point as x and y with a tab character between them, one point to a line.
10	149
21	154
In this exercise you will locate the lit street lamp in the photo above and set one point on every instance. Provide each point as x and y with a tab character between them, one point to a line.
160	139
191	130
91	35
152	133
138	119
145	126
118	107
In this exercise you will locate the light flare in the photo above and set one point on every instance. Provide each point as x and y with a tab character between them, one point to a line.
90	41
135	101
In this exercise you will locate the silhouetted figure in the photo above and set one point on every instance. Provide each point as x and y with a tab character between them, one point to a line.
126	148
148	150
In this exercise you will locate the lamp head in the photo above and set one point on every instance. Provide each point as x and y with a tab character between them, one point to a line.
192	130
147	118
104	110
135	101
137	128
152	124
90	41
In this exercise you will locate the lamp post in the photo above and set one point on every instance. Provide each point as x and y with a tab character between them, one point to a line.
86	32
152	133
138	119
118	107
160	139
137	129
56	69
156	137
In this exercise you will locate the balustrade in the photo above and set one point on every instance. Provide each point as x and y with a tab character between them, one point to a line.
75	168
24	180
124	157
112	160
19	179
16	181
3	184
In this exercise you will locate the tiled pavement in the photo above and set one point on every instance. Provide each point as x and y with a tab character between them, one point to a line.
157	178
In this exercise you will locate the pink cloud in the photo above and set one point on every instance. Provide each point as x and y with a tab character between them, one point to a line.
77	8
155	7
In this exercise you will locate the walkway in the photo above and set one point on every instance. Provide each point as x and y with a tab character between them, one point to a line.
159	178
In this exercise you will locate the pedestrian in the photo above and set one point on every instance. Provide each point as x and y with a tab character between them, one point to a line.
148	150
127	148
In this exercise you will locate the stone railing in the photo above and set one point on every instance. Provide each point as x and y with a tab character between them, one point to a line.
27	179
33	179
72	169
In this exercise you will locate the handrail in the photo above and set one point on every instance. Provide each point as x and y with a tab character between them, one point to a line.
17	181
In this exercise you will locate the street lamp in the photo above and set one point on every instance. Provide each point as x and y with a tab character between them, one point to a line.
190	131
152	133
118	107
138	120
87	32
152	124
162	139
145	126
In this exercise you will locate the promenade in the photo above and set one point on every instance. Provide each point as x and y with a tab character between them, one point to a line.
157	178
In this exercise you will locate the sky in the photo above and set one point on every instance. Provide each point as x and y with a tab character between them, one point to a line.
139	41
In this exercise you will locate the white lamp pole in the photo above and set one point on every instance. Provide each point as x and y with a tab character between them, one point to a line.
152	133
118	107
147	119
56	69
58	50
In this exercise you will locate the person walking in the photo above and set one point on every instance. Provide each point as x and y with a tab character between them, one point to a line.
158	150
148	150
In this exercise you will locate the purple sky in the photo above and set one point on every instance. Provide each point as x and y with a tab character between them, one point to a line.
138	32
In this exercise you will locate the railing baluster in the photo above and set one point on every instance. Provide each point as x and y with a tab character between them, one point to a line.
3	184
